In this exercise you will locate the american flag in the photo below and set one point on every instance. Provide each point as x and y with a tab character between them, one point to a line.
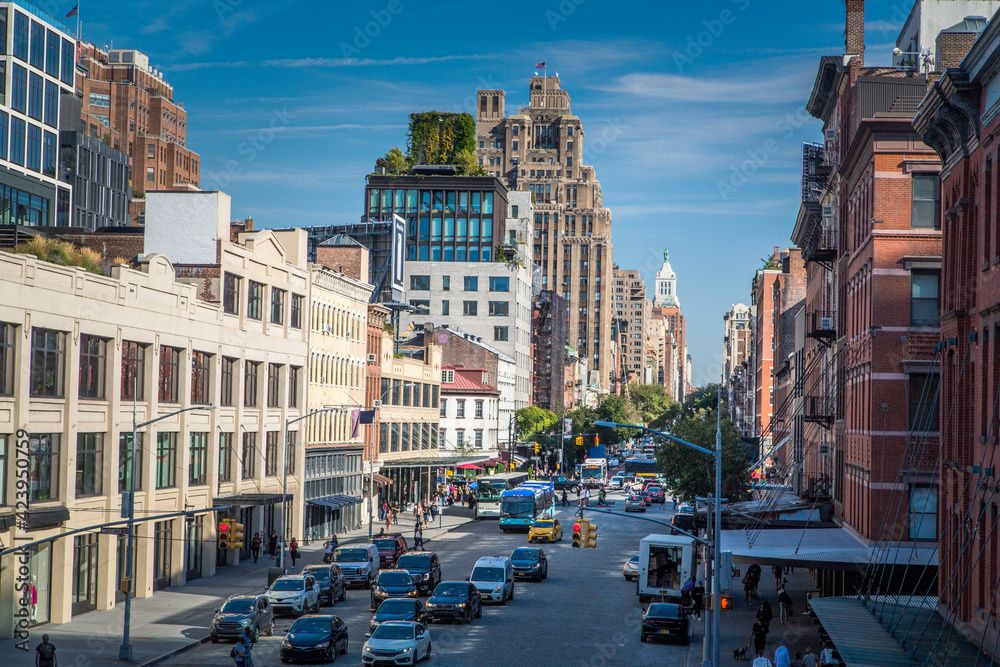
540	65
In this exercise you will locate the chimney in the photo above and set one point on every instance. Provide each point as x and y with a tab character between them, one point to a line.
854	36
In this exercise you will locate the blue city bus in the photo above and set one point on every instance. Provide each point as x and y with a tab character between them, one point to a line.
521	506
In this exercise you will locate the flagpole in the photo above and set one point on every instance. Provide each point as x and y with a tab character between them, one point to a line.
78	22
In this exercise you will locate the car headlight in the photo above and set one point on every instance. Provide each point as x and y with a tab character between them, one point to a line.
430	605
426	576
365	647
323	645
406	650
460	605
245	622
497	589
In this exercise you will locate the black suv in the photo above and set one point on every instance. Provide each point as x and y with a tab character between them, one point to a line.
392	584
331	582
424	568
455	601
240	612
560	483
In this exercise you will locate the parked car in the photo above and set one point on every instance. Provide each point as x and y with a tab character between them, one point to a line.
545	530
392	584
315	638
631	568
332	586
530	563
240	612
455	601
424	568
635	503
390	548
294	594
359	563
665	620
560	483
397	643
399	609
494	577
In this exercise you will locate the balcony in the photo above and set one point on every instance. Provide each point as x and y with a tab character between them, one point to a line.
821	325
820	410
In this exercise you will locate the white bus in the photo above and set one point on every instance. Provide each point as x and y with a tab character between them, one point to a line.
594	470
489	488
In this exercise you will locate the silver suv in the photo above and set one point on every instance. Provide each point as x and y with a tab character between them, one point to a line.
294	594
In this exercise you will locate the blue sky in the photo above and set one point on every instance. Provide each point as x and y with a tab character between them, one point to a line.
290	103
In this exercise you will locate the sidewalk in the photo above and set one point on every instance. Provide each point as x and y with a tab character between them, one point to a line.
799	632
175	619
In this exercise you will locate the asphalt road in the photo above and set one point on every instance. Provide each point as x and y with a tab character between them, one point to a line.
585	613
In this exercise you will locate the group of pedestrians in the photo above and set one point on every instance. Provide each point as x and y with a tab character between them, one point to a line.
693	597
273	548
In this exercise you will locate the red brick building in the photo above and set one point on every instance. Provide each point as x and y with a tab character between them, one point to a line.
959	119
762	371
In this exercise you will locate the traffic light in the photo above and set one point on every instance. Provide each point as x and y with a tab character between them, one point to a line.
579	441
590	535
237	538
597	440
536	448
577	535
225	534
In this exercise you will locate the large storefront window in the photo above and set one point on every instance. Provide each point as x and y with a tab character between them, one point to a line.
192	546
39	592
162	533
84	573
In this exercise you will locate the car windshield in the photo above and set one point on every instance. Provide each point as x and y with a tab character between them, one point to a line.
391	631
450	590
396	607
288	585
394	579
386	545
663	610
406	562
237	607
487	574
350	555
310	625
543	524
525	554
321	573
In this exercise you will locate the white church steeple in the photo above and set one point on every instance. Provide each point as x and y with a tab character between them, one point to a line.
666	285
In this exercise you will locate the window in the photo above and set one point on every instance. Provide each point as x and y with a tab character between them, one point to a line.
43	466
51	104
924	298
479	438
166	460
52	54
89	464
501	333
293	386
170	360
501	284
231	294
48	356
923	512
250	384
444	407
21	36
201	371
33	159
925	209
471	284
271	454
49	150
225	457
150	175
459	437
273	385
68	67
37	45
133	370
295	318
4	125
99	100
290	453
92	366
421	306
198	460
445	307
479	409
255	300
446	283
470	308
125	467
17	130
421	283
247	461
460	403
924	402
277	306
499	308
36	96
228	366
448	376
7	333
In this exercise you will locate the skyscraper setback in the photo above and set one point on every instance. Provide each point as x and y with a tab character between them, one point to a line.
539	149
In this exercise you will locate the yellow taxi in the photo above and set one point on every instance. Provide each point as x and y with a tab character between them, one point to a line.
545	530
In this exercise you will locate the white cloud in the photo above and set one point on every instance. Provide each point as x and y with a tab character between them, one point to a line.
297	63
782	87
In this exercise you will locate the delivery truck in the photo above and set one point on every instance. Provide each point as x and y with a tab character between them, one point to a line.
665	563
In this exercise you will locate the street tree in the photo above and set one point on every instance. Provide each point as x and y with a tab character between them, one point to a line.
690	474
533	419
653	404
616	409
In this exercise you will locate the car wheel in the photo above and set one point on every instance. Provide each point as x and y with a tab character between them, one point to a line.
343	593
503	598
642	637
343	651
331	652
545	575
270	629
256	635
468	616
511	596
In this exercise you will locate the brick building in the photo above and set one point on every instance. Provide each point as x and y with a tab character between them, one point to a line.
548	332
634	307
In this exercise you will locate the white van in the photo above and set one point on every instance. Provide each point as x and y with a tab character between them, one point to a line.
493	576
359	563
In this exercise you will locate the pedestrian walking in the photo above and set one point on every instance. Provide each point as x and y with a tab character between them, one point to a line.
778	572
754	572
761	661
810	659
45	654
388	521
758	635
782	658
765	614
686	589
242	652
748	587
255	546
565	500
434	511
293	550
784	604
272	543
826	655
698	599
797	660
418	537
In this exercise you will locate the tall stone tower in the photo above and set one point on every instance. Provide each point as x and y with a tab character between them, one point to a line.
540	149
666	285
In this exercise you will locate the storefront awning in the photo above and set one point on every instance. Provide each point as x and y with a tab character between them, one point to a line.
468	466
432	461
336	501
381	480
246	499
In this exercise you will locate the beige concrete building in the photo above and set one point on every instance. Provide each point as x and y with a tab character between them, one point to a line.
632	305
540	149
84	352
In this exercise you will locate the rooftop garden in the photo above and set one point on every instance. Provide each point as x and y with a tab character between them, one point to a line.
436	138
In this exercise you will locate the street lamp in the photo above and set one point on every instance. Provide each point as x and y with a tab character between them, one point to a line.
125	650
717	531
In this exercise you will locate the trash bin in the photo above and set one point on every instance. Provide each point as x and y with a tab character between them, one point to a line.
273	573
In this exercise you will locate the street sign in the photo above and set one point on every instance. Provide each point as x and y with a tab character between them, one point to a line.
114	531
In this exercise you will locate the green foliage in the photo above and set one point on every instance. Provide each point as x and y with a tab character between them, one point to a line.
395	160
769	263
61	253
690	473
533	419
616	409
583	419
653	404
436	137
467	164
700	402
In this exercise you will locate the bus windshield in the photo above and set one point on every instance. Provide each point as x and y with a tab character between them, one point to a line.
591	472
490	491
517	508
